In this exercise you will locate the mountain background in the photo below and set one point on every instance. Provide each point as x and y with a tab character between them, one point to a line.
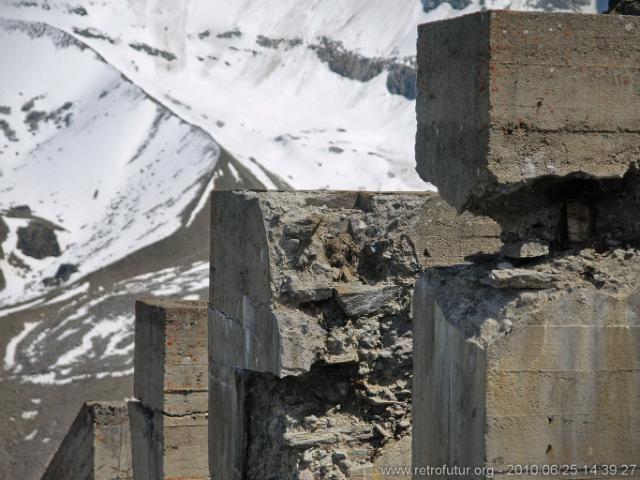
117	120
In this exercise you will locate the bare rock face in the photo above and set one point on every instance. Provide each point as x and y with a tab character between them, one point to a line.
309	326
38	240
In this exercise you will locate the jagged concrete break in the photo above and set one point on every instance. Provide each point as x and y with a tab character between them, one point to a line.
169	418
309	326
96	447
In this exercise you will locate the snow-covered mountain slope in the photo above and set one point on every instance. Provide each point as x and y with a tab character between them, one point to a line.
88	155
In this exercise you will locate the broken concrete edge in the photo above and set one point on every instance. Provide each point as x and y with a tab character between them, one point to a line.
287	303
505	373
480	139
273	272
310	295
488	290
170	358
97	444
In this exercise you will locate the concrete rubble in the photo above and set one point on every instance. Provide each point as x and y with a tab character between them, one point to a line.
96	447
531	357
310	330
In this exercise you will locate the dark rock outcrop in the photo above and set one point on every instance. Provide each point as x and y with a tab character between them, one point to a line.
402	80
347	63
63	273
4	230
38	240
428	5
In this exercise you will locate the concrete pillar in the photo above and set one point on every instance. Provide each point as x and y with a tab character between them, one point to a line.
528	364
169	416
96	447
309	327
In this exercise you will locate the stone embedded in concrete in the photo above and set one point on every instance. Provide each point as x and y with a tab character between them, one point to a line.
309	329
358	300
170	362
507	98
519	278
168	447
96	447
519	250
508	376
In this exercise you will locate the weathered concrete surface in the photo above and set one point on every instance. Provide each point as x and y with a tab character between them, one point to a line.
528	373
261	273
168	447
170	361
309	327
169	417
96	447
507	98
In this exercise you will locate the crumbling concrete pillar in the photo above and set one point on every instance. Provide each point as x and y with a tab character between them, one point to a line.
310	331
529	363
536	366
169	417
96	447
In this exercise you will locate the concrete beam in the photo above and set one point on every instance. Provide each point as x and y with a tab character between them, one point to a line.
170	360
168	447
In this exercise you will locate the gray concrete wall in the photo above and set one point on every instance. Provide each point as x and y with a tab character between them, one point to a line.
96	447
309	328
169	417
